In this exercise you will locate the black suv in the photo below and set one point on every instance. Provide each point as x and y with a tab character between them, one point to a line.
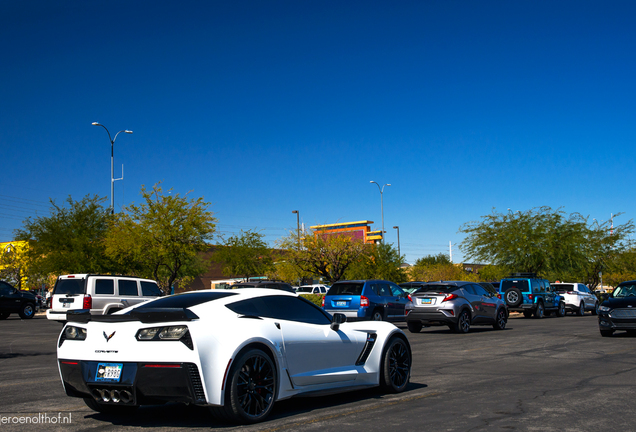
265	284
12	300
525	292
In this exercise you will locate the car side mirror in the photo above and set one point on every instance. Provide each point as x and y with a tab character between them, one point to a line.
338	319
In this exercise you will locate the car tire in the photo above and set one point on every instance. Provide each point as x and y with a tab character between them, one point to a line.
561	310
27	311
581	310
463	323
252	374
4	315
377	316
527	313
595	310
414	326
501	319
513	297
122	410
396	365
539	312
607	333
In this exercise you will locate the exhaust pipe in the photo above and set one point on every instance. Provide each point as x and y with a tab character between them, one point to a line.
126	396
105	395
114	396
96	394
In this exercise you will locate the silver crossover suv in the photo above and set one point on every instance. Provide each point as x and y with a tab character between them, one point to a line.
455	304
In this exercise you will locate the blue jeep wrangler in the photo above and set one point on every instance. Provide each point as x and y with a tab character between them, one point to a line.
524	292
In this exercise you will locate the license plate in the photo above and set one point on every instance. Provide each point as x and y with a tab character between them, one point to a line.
108	372
426	301
341	303
66	305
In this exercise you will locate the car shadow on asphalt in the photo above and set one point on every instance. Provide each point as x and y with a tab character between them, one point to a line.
181	415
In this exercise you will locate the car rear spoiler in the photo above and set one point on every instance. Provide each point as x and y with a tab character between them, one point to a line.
145	315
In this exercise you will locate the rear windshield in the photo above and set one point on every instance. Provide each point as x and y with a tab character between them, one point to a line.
346	288
522	285
185	300
436	289
305	289
69	286
561	288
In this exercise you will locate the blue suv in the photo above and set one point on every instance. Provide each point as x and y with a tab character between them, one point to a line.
377	300
524	292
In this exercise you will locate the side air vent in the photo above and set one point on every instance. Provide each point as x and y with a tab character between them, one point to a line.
368	346
197	385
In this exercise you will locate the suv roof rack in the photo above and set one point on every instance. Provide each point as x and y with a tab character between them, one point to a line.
523	275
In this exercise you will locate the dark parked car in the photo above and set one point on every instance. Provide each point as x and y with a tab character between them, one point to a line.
377	300
456	304
618	312
265	284
13	300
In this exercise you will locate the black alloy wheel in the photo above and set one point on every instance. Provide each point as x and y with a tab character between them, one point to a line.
396	366
463	323
251	387
501	320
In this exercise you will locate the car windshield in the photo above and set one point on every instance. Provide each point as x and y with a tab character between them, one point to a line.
350	288
625	291
69	286
521	285
442	289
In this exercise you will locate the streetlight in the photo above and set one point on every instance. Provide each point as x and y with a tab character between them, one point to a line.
398	232
297	226
381	203
112	155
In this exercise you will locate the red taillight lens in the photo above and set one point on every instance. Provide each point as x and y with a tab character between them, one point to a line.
323	302
530	296
410	298
499	296
449	297
364	302
572	292
88	302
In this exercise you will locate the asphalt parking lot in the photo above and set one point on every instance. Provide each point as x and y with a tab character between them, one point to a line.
554	374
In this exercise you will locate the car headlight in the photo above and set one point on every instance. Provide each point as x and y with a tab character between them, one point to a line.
167	333
604	308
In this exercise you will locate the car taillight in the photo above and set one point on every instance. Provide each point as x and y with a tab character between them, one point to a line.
364	302
499	296
410	298
530	296
88	302
323	303
572	292
449	297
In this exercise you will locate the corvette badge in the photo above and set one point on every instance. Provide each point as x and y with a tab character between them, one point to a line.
108	337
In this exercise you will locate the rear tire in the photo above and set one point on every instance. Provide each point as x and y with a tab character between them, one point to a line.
595	310
251	388
414	326
377	316
581	310
396	366
539	312
463	323
513	297
500	320
561	311
27	311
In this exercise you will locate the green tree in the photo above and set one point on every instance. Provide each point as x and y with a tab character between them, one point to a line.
493	273
440	258
161	237
545	241
244	255
440	271
69	239
380	261
328	256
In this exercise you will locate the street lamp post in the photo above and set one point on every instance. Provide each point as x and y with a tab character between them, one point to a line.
112	157
398	233
381	189
297	226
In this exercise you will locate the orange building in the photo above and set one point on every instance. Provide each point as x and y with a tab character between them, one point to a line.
359	230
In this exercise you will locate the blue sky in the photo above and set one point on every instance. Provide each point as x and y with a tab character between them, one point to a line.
264	107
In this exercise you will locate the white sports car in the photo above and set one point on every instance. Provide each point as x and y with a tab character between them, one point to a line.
237	351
